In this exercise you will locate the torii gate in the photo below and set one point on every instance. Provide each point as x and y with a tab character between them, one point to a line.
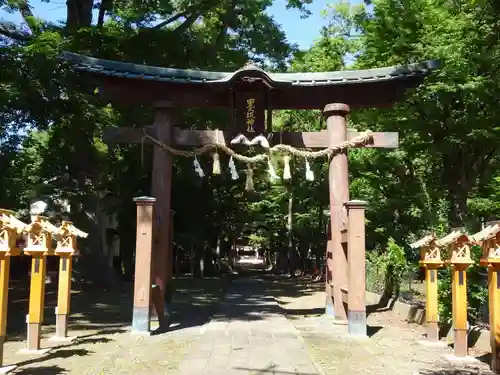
250	95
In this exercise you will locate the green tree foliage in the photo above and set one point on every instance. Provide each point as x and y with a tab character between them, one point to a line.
445	167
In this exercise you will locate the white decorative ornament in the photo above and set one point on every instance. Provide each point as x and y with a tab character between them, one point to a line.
197	167
240	139
261	140
232	169
273	176
309	172
286	172
38	208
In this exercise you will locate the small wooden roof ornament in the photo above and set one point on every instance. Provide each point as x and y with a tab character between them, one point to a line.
40	234
66	238
489	240
458	245
430	253
10	230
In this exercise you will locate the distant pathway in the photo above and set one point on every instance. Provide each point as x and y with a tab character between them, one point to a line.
249	334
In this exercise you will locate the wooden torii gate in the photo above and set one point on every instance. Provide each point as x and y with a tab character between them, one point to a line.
249	95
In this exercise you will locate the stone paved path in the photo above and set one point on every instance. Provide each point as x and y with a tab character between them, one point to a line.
248	335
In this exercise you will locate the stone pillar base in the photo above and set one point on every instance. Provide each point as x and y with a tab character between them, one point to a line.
432	331
141	320
61	325
329	310
460	343
33	336
356	323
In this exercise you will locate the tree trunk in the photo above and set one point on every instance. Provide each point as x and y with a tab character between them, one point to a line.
78	14
458	206
127	241
290	240
191	259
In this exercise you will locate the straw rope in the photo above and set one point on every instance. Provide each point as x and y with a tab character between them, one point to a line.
362	140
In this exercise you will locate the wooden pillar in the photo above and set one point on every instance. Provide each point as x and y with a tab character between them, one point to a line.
4	297
161	189
327	268
431	302
356	314
141	318
36	299
459	300
339	194
170	261
63	295
494	313
10	231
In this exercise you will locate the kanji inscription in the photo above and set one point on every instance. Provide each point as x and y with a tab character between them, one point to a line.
250	111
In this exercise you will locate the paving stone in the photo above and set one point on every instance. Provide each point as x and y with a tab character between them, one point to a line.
250	335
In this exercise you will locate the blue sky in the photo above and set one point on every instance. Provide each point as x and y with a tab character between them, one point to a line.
300	31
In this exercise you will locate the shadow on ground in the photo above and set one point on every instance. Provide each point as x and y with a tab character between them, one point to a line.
98	315
47	370
385	304
56	354
194	302
450	371
271	370
372	330
94	308
262	301
65	351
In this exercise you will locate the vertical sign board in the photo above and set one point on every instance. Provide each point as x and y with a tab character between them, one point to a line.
250	111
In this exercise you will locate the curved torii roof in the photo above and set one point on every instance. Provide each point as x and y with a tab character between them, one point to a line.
358	88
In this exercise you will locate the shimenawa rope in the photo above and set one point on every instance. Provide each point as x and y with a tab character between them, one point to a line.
362	140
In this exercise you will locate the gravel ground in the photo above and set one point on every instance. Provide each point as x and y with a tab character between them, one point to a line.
393	347
104	344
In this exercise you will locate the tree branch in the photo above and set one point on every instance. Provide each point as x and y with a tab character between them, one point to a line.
25	10
189	21
105	5
172	19
11	32
221	35
188	13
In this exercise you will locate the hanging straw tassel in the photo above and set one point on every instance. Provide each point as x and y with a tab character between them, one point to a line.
216	165
309	172
197	167
286	173
273	176
249	182
232	169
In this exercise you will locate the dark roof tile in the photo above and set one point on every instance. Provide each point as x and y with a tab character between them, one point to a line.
189	76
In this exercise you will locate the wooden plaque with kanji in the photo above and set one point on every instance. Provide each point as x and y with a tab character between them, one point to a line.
250	110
